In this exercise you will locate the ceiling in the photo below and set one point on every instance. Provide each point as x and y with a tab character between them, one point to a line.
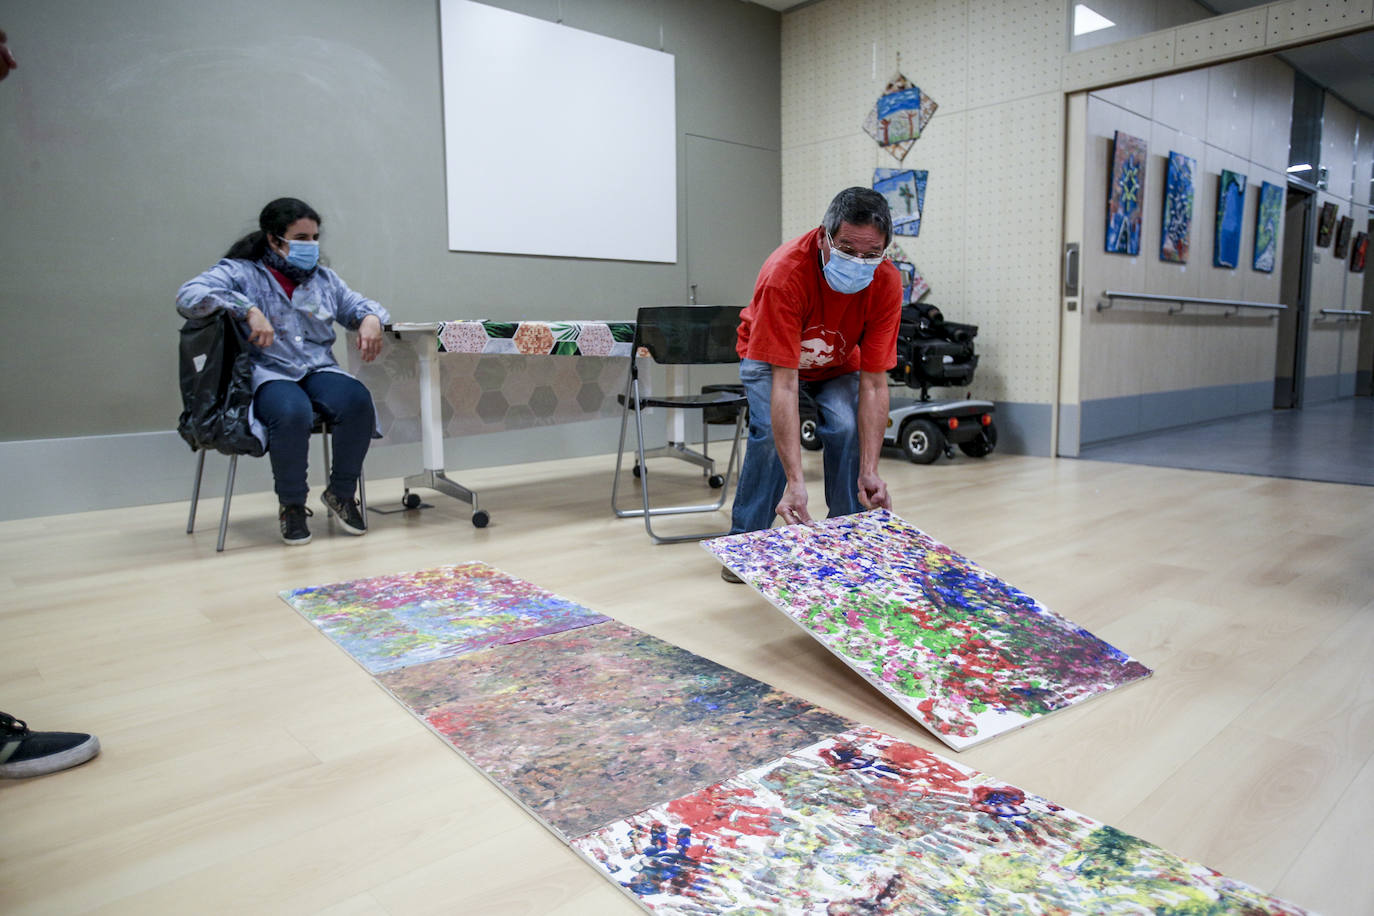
1344	66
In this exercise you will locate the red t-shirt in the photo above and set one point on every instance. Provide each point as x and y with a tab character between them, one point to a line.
795	319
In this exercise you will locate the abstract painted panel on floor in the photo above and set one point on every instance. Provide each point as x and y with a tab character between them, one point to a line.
586	726
1125	193
1230	213
391	621
905	190
1178	208
863	823
963	652
899	116
1267	218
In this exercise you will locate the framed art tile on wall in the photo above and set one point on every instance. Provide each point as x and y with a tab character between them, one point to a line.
1178	208
1123	198
1230	211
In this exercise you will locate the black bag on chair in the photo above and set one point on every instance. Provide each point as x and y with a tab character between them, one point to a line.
217	386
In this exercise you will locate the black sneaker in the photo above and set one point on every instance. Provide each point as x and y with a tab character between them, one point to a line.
27	753
345	512
728	575
294	531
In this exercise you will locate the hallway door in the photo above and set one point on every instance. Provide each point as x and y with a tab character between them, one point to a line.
1297	260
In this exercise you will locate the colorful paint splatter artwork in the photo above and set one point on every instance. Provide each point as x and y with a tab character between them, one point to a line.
905	191
960	650
899	116
862	823
914	286
1125	194
1359	251
1267	218
1230	209
391	621
1178	208
585	726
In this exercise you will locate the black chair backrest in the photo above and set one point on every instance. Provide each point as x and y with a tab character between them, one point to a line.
689	334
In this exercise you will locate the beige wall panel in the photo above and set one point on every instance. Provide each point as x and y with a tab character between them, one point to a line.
1134	58
1180	101
1230	107
1296	20
1273	113
1220	37
1327	292
835	65
815	173
1016	47
940	252
1137	98
933	37
1364	163
1339	123
1011	232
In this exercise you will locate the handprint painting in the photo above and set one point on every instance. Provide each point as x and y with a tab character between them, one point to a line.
408	618
586	725
862	823
963	652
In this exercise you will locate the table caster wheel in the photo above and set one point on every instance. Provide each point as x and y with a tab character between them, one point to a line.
716	481
636	471
411	500
480	518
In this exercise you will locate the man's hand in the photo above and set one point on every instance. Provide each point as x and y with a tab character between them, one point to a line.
370	338
260	331
873	492
792	508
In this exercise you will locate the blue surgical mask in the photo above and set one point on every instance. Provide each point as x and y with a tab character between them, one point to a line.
846	273
302	253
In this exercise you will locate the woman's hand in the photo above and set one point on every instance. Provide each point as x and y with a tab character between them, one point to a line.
370	338
260	331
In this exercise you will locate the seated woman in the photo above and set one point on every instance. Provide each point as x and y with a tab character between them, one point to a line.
271	280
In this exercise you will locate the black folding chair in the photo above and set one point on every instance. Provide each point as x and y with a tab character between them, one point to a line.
679	335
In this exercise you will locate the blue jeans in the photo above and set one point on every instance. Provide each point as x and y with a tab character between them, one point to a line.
287	409
761	477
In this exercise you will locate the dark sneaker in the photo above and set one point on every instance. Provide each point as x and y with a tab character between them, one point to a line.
294	531
27	753
728	575
345	512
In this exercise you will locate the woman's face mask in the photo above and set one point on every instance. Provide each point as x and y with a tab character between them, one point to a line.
302	254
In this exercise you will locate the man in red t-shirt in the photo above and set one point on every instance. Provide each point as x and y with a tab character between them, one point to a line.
823	319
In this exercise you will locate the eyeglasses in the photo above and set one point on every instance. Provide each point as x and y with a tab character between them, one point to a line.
847	251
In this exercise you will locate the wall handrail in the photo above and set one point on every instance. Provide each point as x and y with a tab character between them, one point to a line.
1352	314
1235	305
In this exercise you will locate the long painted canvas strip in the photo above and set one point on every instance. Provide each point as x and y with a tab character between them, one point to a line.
963	652
862	823
585	726
392	621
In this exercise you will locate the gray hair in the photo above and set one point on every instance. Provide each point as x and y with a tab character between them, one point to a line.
859	207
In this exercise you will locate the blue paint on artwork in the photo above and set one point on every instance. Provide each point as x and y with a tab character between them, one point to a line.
1230	210
1267	226
905	100
1127	187
905	190
1178	209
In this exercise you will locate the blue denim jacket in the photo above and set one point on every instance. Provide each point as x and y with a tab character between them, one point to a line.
304	324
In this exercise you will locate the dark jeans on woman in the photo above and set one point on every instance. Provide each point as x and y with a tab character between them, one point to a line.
287	409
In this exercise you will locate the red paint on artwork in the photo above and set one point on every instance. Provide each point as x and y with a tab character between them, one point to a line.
721	812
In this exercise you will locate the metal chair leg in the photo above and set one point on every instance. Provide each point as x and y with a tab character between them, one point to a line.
195	491
228	495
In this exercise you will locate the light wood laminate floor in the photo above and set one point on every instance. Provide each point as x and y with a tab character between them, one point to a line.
249	765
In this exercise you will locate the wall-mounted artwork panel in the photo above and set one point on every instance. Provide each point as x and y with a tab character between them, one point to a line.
1230	216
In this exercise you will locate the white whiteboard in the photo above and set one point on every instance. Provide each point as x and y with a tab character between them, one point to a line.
557	141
